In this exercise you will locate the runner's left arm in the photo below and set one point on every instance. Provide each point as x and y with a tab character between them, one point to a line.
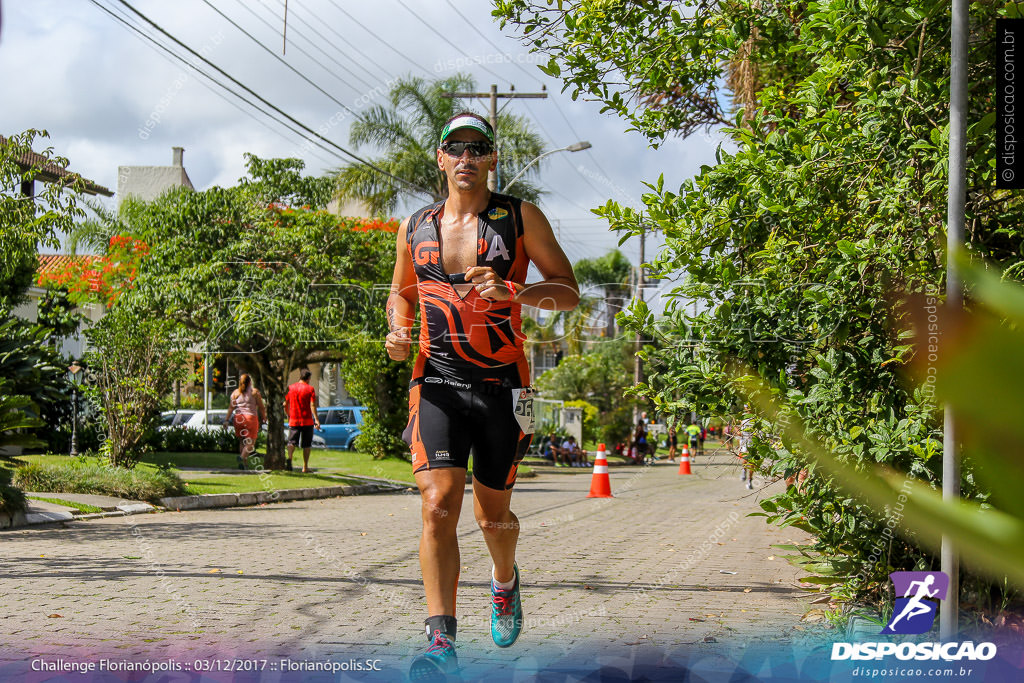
558	290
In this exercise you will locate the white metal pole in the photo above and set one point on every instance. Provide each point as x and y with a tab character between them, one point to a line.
948	560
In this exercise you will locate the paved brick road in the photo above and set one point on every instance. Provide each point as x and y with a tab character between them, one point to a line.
311	578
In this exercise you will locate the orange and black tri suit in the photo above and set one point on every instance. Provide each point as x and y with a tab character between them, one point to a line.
469	390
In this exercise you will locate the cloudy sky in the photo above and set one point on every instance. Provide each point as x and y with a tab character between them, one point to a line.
72	69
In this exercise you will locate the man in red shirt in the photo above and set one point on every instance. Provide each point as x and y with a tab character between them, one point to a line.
301	404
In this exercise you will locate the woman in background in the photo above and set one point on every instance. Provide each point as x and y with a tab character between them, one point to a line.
249	413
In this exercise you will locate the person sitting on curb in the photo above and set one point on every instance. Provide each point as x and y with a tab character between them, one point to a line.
573	454
551	449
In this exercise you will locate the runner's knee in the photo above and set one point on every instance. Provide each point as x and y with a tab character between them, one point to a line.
494	525
440	509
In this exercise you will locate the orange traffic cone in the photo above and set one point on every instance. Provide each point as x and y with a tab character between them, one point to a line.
600	485
684	461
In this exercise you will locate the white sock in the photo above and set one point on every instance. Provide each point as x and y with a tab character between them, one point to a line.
503	585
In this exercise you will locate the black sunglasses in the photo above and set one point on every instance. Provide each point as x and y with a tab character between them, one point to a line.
476	148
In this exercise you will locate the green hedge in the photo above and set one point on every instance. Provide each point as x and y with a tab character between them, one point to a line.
90	435
92	477
176	439
12	499
183	440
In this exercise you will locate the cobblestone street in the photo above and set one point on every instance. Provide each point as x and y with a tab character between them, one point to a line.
671	560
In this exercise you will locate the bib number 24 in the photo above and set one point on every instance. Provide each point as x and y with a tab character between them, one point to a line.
522	404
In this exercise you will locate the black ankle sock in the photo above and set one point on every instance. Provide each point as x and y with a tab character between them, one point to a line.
443	623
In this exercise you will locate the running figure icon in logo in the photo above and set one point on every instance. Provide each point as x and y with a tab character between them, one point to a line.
915	612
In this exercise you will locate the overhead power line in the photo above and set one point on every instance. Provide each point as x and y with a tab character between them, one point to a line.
443	37
325	53
385	43
283	61
476	28
367	59
125	20
316	60
277	109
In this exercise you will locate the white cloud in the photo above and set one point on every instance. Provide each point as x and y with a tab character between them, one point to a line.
93	85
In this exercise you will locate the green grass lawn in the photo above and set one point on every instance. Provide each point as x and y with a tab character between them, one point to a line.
345	462
81	507
326	461
247	483
59	460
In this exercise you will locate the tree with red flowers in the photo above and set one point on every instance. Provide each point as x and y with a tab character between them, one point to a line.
261	272
103	279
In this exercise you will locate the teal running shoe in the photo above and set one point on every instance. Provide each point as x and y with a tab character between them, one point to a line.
437	662
506	614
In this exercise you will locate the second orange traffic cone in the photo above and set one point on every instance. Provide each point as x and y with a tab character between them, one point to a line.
684	461
600	484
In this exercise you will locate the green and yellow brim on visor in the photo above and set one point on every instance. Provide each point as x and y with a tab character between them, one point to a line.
467	122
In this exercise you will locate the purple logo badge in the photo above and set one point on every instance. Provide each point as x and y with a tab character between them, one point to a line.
917	596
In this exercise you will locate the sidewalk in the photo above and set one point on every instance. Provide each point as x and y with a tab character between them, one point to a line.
47	512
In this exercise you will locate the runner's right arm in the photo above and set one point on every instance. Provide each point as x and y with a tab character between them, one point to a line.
402	301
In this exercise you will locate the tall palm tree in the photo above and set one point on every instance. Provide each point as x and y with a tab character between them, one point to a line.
406	132
611	273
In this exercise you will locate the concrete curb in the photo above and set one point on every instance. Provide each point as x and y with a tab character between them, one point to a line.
9	520
209	501
546	466
23	519
205	501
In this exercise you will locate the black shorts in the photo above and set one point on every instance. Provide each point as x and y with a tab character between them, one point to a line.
305	431
448	419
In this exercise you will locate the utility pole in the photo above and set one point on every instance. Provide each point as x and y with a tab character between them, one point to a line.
949	560
493	95
638	372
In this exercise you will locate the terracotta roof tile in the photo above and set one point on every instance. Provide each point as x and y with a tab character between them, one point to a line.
57	263
50	172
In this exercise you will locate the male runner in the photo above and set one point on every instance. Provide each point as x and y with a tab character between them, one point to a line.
464	260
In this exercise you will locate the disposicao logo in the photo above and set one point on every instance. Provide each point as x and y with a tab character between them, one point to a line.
914	613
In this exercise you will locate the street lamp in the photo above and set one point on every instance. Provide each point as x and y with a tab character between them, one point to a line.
75	378
574	147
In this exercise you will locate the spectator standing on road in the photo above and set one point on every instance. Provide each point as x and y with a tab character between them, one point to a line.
672	443
693	436
743	437
639	449
248	413
464	261
300	401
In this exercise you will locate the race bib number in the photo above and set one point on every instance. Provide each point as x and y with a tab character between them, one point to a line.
522	404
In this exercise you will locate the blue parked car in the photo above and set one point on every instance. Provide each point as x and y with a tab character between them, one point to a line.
340	425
